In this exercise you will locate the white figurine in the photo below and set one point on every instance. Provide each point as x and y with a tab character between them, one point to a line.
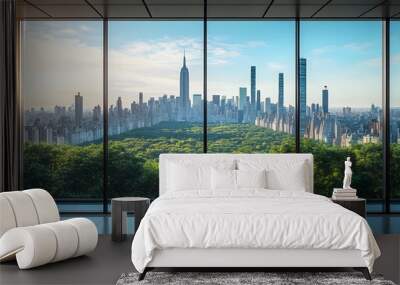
347	174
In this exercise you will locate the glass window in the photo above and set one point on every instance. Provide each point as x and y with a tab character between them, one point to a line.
395	114
251	77
62	101
155	99
341	104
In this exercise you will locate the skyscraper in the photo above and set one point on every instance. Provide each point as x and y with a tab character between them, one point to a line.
97	113
216	99
78	109
303	94
268	107
258	104
197	100
140	98
280	95
119	107
325	100
253	87
313	108
184	90
242	97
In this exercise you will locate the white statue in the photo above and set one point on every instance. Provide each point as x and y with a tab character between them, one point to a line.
347	174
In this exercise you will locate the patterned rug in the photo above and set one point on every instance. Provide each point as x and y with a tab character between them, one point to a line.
243	278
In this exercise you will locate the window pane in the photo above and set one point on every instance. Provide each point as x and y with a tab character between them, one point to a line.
395	114
251	81
341	104
155	99
62	101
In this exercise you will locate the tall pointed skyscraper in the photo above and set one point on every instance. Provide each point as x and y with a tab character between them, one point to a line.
253	87
280	94
325	100
184	91
303	95
78	110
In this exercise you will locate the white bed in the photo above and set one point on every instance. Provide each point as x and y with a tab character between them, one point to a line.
249	227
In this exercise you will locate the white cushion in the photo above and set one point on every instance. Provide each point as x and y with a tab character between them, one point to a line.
32	246
23	208
40	244
183	177
188	175
281	175
67	240
87	235
223	179
45	205
251	178
31	232
291	178
7	218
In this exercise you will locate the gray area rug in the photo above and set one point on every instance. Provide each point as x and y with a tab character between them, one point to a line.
228	278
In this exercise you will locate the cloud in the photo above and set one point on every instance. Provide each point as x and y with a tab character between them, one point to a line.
396	58
55	67
373	62
221	52
324	49
355	46
358	46
276	66
153	67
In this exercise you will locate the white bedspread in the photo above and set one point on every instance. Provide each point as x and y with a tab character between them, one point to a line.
250	219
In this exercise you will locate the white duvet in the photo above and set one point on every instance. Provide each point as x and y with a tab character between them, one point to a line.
250	219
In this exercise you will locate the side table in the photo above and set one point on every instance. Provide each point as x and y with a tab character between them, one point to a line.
355	205
120	208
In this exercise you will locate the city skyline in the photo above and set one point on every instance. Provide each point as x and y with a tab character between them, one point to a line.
317	120
160	46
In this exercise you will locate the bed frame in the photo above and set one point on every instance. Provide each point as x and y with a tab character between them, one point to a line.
242	259
246	259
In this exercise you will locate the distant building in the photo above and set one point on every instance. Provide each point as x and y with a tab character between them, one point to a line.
303	95
313	108
242	97
184	91
197	100
253	87
97	113
140	98
78	110
222	104
370	139
119	107
280	94
216	100
268	107
347	111
258	104
325	100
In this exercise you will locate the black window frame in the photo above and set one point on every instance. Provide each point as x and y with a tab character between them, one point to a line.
385	93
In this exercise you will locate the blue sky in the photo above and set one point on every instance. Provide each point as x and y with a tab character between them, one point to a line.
146	57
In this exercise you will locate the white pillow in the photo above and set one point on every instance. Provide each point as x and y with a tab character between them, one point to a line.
183	178
251	178
188	175
292	178
280	174
223	179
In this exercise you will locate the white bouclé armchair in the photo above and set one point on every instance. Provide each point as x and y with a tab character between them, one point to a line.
31	231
